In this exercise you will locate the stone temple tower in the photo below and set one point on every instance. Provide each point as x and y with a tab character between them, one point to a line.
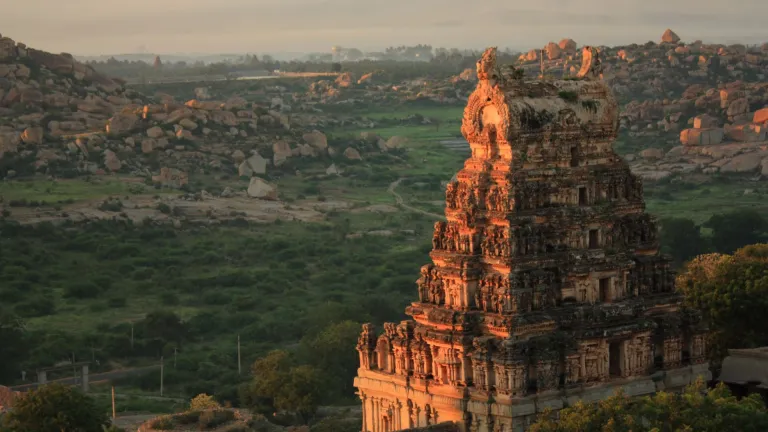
546	285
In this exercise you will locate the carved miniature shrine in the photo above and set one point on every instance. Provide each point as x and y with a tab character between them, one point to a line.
546	285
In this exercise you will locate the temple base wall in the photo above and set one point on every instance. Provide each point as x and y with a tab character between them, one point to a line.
392	403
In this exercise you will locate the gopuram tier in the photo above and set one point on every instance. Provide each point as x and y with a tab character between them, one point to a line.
546	284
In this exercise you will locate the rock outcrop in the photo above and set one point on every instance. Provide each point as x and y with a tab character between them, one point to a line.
260	188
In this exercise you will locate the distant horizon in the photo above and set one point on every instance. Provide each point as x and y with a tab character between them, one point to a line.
89	28
731	41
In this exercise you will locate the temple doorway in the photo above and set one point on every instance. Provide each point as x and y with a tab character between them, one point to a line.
614	359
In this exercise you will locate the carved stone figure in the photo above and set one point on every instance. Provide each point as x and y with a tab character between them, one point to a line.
486	66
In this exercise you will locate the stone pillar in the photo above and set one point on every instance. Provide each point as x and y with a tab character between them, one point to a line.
364	398
42	377
85	378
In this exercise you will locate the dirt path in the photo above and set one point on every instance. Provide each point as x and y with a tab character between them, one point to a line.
399	200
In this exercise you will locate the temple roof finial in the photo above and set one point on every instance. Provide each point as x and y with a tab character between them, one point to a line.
486	66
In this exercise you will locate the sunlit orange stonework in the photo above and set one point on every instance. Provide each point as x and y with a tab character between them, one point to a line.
546	284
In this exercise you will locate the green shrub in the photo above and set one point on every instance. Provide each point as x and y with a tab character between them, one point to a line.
116	302
568	96
214	418
164	208
163	423
82	290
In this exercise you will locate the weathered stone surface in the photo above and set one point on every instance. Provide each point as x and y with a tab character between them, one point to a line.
704	121
553	51
260	188
332	170
203	105
568	45
226	118
670	37
111	162
746	133
31	96
238	156
122	123
148	145
155	132
32	135
396	142
171	177
352	154
694	137
281	152
253	165
235	103
652	153
761	116
7	49
738	106
188	124
316	139
743	163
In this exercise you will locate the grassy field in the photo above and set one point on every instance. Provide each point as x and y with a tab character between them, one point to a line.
700	202
70	190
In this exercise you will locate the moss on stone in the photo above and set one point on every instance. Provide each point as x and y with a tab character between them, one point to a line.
568	96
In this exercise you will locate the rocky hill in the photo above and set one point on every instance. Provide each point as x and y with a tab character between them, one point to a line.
60	117
687	108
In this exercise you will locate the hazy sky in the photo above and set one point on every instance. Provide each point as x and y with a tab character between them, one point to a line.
89	27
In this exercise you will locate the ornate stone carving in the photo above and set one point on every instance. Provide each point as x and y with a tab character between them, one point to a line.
673	351
545	267
486	66
366	345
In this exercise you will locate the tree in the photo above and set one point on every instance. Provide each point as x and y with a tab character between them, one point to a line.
56	408
735	229
301	392
336	67
14	344
203	402
330	352
696	409
278	385
165	325
731	291
682	239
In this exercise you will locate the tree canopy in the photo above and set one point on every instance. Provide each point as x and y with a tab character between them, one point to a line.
55	408
735	229
682	239
279	385
696	409
15	346
731	291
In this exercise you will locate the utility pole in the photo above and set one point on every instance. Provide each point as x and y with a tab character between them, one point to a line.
541	62
161	376
114	416
239	367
